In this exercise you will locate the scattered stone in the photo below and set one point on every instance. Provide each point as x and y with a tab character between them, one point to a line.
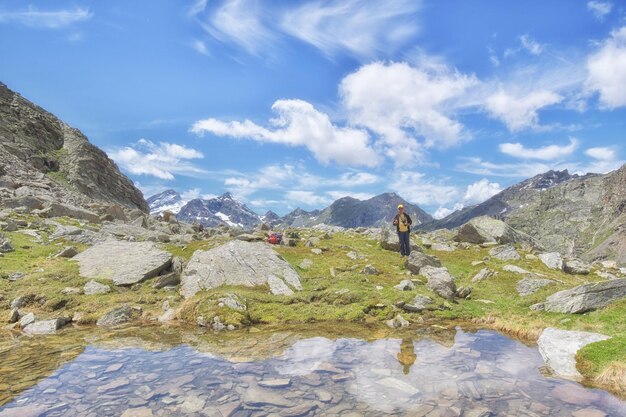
389	241
476	263
22	301
418	304
94	288
485	229
442	247
405	285
138	412
27	319
606	275
370	270
483	274
255	396
312	242
65	210
587	297
505	253
248	237
170	279
417	260
575	266
67	252
5	244
440	281
515	269
239	263
233	302
552	260
71	290
15	276
46	326
14	315
316	251
354	256
116	316
558	349
463	292
124	263
397	322
529	286
306	264
275	383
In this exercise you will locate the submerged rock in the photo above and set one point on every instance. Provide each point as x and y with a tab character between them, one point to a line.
558	349
239	263
584	298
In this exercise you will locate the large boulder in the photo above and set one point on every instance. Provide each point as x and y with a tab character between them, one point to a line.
439	281
239	263
485	229
115	316
66	210
389	241
505	253
575	266
124	263
46	326
558	349
417	260
584	298
552	260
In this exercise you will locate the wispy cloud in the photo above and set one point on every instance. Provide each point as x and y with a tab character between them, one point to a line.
56	19
607	70
600	8
545	153
162	160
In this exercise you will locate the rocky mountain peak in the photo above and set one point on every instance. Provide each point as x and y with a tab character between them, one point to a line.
168	200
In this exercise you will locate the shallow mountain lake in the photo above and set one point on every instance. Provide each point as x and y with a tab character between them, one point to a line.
292	371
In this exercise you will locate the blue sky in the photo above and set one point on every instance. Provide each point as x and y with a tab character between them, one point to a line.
294	104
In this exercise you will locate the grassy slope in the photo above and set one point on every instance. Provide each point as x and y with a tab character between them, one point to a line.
324	298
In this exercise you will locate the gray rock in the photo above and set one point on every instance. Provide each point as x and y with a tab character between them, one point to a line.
485	229
464	292
171	279
46	326
389	241
370	270
442	247
94	288
233	302
505	253
405	285
417	260
558	349
167	316
316	251
439	281
397	322
71	290
27	319
55	209
484	273
552	260
306	264
217	324
248	237
354	255
515	269
116	212
5	244
124	263
116	316
22	300
312	242
575	266
14	315
8	226
418	304
584	298
67	252
529	286
16	275
239	263
63	231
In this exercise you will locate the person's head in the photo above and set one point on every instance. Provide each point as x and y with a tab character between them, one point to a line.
400	208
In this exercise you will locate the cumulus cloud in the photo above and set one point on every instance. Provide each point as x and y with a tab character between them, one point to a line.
35	18
604	159
607	70
519	111
363	28
599	8
300	124
161	160
416	188
545	153
601	153
307	198
404	105
480	191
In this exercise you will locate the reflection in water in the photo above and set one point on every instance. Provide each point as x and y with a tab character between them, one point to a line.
407	355
161	372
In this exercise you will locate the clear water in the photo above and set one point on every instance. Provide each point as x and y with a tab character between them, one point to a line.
294	372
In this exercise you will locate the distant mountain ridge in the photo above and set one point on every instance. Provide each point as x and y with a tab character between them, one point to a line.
168	200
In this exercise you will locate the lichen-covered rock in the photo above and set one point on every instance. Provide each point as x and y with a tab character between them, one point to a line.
239	263
584	298
5	244
529	286
439	281
124	263
398	322
552	260
505	253
484	274
486	229
118	315
575	266
417	260
418	304
405	285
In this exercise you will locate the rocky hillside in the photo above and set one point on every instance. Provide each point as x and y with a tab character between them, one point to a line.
168	200
351	212
583	216
42	156
217	211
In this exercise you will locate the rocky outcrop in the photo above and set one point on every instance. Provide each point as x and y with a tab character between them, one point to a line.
558	349
124	263
42	157
584	298
576	267
239	263
485	229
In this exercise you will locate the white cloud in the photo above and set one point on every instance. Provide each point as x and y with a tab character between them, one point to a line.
200	47
300	124
519	111
602	153
475	165
414	187
363	28
404	105
337	194
544	153
190	194
607	70
161	160
350	179
307	198
32	17
600	8
531	46
442	212
605	159
480	191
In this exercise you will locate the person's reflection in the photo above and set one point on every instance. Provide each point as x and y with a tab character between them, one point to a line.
406	356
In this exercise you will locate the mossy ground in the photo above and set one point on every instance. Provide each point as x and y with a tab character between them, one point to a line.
348	296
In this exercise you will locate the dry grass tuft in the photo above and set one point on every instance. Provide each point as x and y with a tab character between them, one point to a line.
613	378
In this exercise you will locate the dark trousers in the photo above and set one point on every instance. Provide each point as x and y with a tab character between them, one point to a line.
405	246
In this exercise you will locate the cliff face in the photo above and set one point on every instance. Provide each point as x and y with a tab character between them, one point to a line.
40	155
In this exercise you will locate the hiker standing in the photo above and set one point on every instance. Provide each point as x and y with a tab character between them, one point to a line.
403	222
